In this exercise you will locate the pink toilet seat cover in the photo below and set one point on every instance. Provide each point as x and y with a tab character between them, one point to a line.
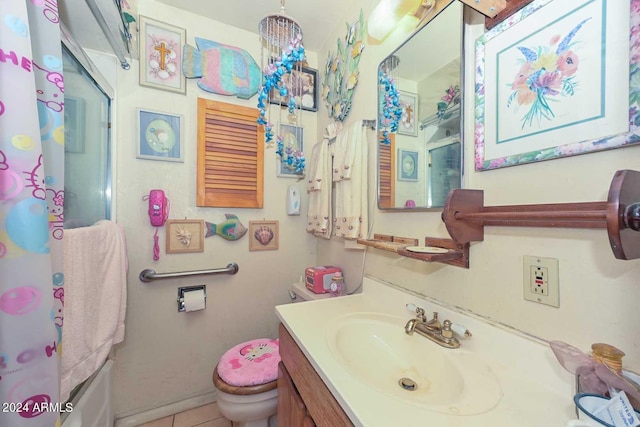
252	362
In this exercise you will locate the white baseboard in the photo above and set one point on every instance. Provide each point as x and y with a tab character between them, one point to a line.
165	411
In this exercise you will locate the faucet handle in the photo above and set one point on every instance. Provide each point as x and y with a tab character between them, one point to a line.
461	331
417	310
446	329
434	324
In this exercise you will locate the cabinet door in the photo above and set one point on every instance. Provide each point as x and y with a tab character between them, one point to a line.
291	409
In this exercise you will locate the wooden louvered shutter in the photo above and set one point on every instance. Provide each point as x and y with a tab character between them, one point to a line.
387	173
230	156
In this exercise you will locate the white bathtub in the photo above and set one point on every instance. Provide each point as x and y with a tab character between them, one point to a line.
92	405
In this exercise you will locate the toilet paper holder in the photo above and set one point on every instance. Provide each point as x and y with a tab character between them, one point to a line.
183	290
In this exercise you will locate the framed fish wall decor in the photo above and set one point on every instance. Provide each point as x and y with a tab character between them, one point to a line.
221	68
161	55
229	229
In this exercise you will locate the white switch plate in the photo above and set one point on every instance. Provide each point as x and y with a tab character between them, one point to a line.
540	280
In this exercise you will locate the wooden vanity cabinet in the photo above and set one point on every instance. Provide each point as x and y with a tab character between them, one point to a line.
303	398
291	409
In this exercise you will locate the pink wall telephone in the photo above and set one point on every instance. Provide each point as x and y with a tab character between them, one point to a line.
158	208
158	215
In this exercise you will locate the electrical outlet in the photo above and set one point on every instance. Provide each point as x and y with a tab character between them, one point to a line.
539	280
541	283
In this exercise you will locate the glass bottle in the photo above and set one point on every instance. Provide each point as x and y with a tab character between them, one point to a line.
336	288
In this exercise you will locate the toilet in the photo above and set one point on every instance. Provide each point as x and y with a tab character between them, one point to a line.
246	377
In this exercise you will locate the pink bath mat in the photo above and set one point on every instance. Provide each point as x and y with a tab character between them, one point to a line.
253	362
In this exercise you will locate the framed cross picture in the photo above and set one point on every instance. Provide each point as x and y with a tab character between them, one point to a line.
161	55
408	124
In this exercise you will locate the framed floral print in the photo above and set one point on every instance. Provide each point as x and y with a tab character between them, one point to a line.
550	80
293	143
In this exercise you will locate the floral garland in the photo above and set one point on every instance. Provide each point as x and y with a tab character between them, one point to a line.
391	108
273	80
452	97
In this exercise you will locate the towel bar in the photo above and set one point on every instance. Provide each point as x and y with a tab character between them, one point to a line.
370	124
465	215
148	274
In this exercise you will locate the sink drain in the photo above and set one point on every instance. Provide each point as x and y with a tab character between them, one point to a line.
407	384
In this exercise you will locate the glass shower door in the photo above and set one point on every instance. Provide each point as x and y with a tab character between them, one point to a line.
444	172
87	147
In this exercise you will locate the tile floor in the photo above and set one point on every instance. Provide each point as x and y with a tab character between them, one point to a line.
202	416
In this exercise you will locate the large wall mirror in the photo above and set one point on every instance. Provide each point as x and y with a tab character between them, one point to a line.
422	161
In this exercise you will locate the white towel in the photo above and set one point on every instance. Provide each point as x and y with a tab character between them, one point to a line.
344	152
95	281
351	198
319	189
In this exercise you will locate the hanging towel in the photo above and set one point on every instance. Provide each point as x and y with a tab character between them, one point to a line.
319	189
351	195
344	151
95	280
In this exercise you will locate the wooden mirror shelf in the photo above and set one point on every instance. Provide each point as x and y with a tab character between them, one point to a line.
489	8
465	215
457	253
511	7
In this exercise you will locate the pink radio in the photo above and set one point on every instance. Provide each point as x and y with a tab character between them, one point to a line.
318	279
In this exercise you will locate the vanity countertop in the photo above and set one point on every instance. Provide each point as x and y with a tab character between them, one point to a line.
535	390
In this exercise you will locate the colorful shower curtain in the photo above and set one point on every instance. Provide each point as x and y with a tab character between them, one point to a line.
31	215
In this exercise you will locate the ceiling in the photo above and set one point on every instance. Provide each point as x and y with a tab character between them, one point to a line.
317	18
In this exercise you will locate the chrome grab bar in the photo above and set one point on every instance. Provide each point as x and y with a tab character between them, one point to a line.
148	274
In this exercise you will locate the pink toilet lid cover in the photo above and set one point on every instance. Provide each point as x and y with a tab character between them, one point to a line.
252	362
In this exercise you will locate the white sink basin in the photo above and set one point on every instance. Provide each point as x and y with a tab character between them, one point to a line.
374	349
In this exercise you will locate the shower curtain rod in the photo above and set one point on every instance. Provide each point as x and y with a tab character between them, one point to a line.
107	30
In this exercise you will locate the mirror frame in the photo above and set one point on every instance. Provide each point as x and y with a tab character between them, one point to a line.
379	144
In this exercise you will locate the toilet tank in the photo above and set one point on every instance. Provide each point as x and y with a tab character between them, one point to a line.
299	292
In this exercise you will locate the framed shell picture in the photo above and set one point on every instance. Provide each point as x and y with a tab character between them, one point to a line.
185	235
263	235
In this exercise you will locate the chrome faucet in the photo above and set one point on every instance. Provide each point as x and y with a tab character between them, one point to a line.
440	333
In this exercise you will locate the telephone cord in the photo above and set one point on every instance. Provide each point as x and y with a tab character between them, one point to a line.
156	247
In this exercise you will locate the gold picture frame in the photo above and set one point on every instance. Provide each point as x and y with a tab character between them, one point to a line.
185	235
263	235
